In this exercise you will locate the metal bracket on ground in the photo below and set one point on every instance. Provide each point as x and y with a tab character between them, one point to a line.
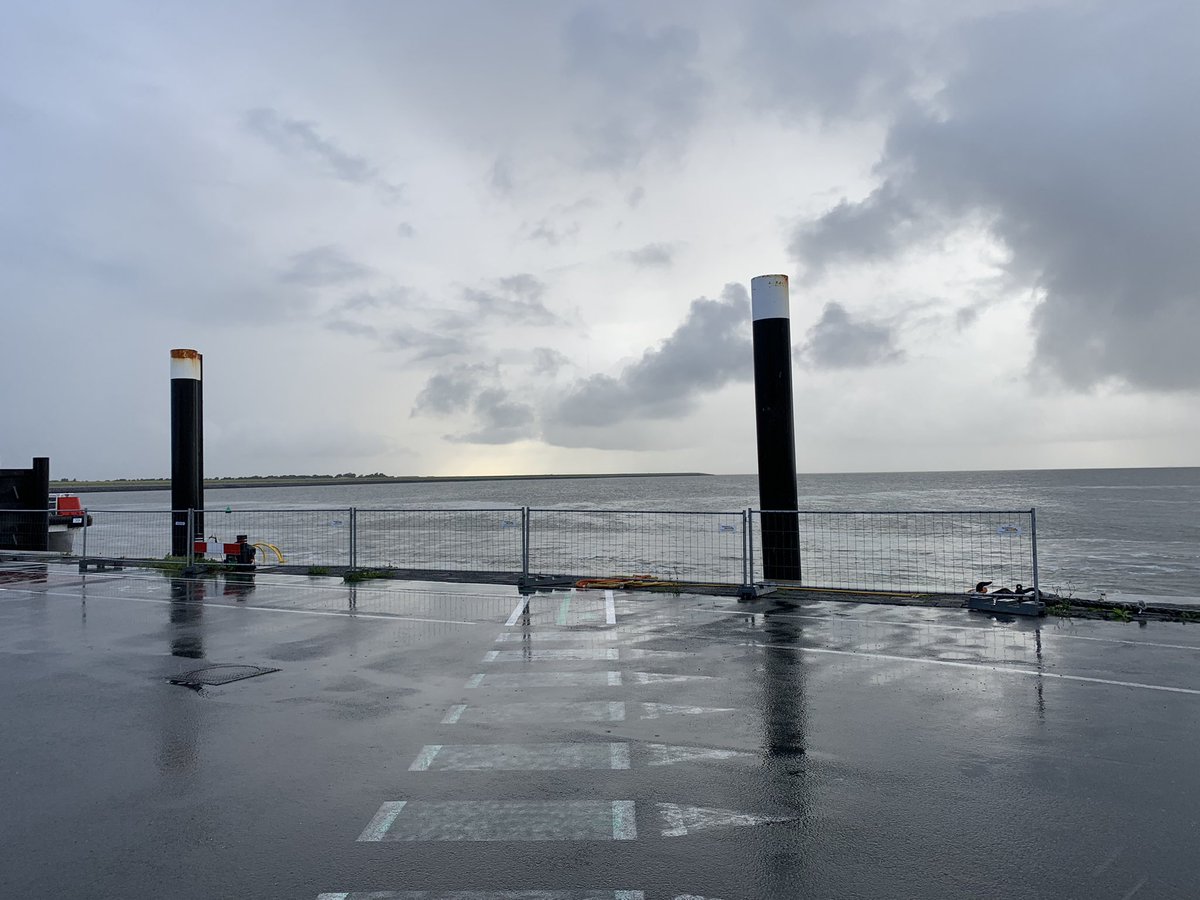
530	584
748	592
1013	606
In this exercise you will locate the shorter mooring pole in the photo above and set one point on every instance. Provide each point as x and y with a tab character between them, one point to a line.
776	430
187	449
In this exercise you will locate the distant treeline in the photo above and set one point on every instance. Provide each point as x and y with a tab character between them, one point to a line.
250	481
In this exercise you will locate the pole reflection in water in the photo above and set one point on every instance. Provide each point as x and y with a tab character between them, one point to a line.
784	723
186	612
180	720
239	584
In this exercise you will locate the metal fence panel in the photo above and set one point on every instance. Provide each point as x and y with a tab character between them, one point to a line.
304	537
695	547
455	540
911	551
129	534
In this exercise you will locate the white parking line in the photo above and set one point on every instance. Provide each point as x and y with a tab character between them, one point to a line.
610	608
517	613
1008	670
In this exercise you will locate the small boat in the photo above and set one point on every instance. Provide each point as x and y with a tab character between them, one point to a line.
66	515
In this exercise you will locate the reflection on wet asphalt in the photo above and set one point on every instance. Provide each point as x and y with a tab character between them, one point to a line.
452	741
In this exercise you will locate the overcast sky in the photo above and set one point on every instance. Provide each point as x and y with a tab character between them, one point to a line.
473	238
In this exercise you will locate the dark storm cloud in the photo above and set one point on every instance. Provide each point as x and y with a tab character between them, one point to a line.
298	138
838	341
708	350
323	267
1070	133
653	256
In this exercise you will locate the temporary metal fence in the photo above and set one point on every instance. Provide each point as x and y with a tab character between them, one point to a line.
908	551
693	547
454	540
905	550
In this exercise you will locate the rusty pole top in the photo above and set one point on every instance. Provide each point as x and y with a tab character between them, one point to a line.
187	364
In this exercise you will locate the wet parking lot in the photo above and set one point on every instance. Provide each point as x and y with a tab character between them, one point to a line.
456	741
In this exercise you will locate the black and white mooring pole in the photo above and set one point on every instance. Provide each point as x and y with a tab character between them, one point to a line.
187	448
776	431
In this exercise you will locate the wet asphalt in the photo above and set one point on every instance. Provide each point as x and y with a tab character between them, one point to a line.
437	741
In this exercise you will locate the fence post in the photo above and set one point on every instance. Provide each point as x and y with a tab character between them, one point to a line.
745	552
525	541
750	542
85	526
353	537
191	544
1037	594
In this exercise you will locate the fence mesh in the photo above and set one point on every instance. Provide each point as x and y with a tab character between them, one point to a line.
697	547
124	534
455	540
909	551
936	552
303	537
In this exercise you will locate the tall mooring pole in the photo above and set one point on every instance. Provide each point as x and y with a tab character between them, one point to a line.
776	430
187	447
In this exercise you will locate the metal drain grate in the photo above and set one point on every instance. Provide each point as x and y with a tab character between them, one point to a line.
214	675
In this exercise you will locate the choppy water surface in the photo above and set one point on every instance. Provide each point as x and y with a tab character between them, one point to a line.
1126	531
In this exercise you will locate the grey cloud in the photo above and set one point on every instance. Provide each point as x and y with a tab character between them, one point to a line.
641	86
295	137
878	227
376	301
517	299
548	361
501	175
323	267
453	390
352	328
833	61
502	420
405	230
838	341
427	345
653	256
710	349
550	233
474	388
1066	132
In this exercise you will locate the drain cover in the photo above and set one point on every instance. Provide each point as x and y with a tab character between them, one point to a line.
214	675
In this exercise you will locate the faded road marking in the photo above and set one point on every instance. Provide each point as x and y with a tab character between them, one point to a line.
679	821
545	679
521	757
610	608
503	820
567	711
609	653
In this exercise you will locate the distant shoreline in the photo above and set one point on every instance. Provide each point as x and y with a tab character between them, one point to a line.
164	484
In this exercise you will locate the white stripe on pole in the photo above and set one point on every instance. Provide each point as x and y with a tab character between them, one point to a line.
769	297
